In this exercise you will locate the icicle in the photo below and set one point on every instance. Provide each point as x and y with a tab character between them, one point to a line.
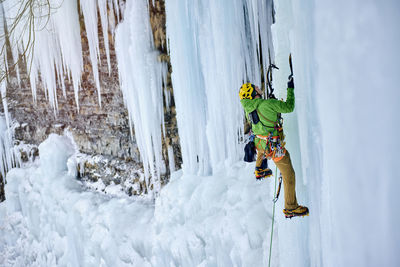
171	159
167	96
3	91
89	10
3	62
7	157
111	16
32	80
70	43
104	24
56	45
265	14
140	76
214	47
187	81
116	8
18	76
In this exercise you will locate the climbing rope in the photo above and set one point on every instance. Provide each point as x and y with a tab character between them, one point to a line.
270	94
273	220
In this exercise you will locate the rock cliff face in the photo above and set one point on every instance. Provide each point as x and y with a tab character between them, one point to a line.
98	131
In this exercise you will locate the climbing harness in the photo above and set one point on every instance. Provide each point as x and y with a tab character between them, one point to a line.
275	147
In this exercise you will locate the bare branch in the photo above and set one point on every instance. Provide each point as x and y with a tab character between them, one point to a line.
21	33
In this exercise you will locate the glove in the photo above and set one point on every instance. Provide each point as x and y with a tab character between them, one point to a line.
290	83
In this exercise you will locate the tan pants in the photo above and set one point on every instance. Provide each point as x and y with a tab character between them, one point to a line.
288	176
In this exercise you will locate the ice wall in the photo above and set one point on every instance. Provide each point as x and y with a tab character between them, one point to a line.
141	78
214	47
357	58
345	63
295	235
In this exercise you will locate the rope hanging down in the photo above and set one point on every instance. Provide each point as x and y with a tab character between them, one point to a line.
273	220
270	94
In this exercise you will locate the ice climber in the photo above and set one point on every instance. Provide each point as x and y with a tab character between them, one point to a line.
264	115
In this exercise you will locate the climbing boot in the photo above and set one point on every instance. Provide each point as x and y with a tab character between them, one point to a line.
299	211
262	173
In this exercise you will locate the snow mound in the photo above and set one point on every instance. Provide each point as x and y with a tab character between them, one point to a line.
219	220
54	153
49	220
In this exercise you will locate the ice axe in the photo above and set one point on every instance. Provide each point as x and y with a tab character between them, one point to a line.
291	66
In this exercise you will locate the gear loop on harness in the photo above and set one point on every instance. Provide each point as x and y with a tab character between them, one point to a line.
274	147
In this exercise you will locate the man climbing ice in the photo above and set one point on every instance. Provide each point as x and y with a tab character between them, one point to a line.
264	115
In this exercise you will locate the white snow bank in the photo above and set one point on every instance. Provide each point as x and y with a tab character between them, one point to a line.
220	220
48	220
54	153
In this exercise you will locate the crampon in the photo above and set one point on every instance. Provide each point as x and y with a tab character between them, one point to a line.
299	211
262	173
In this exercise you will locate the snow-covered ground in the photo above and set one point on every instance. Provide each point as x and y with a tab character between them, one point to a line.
219	220
343	138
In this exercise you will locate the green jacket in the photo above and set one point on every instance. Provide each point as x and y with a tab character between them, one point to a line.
268	108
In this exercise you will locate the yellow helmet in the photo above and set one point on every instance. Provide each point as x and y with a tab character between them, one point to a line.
247	91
